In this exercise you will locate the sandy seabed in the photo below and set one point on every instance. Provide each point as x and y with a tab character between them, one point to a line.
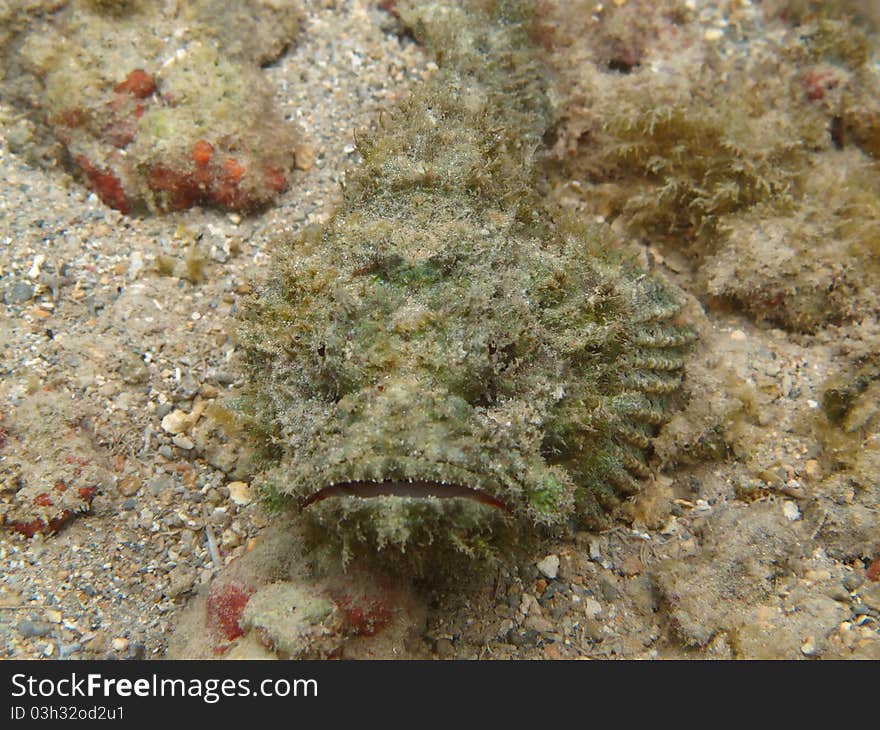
754	542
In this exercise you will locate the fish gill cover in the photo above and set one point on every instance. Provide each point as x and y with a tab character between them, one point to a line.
449	365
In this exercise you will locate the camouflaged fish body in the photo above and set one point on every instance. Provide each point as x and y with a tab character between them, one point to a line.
446	361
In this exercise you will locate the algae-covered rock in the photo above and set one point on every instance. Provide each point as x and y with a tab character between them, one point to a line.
812	263
161	107
51	470
725	584
848	429
756	160
448	364
293	621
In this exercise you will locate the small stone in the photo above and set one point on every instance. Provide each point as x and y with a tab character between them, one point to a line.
595	550
870	595
812	470
738	336
791	511
631	565
53	616
608	590
592	608
163	409
132	369
593	630
808	648
183	442
37	264
159	484
444	648
240	493
135	265
30	629
851	581
536	622
120	643
19	293
180	581
128	485
713	34
176	422
187	387
549	566
529	603
305	156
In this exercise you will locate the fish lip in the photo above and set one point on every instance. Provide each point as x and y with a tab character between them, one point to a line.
409	488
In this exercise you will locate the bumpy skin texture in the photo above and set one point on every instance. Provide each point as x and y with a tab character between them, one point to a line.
446	330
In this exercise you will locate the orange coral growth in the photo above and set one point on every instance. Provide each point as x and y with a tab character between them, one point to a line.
138	83
105	185
202	152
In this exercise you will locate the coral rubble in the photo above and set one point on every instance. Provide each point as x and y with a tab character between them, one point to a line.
159	107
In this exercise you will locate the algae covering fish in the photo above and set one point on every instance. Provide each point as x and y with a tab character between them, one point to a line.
449	364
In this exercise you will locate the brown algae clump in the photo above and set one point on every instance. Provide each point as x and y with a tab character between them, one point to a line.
753	150
158	106
447	363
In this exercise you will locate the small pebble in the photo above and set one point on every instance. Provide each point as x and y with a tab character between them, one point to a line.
851	581
19	293
549	566
444	648
120	643
183	442
791	511
53	616
187	387
128	485
176	422
30	629
240	493
808	648
631	565
159	484
592	608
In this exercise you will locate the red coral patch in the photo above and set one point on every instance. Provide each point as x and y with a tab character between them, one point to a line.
202	152
138	83
105	185
179	189
225	605
43	500
365	616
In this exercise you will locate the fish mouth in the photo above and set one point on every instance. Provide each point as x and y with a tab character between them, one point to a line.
411	489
